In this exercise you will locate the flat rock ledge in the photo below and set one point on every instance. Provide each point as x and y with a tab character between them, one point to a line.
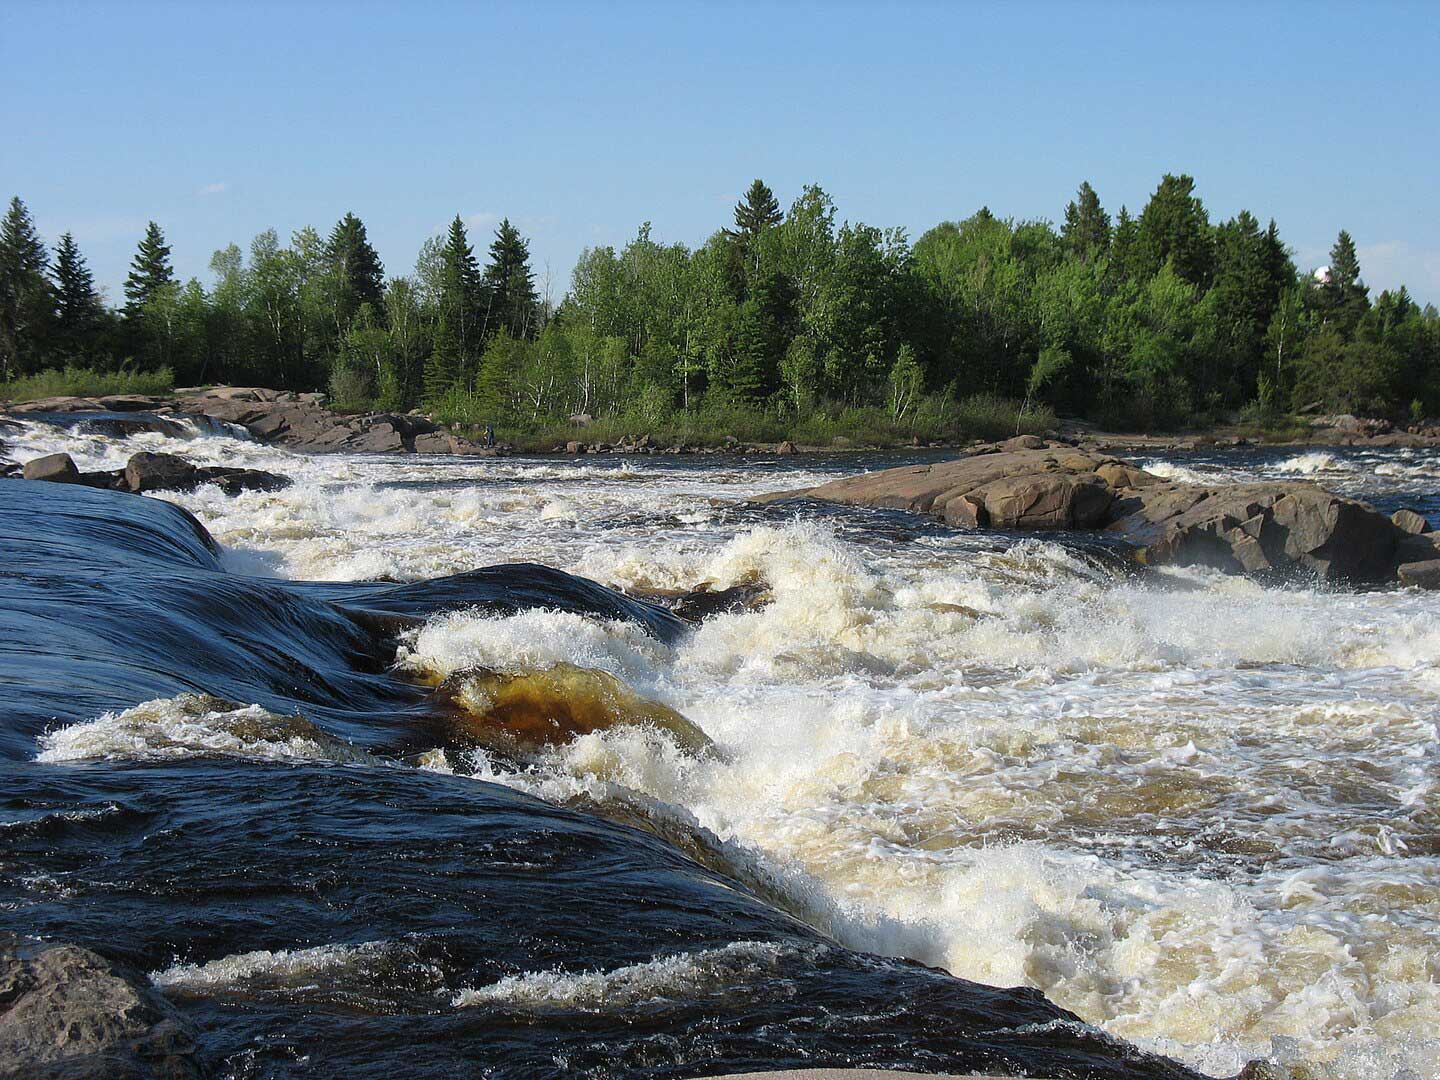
67	1013
1265	529
282	417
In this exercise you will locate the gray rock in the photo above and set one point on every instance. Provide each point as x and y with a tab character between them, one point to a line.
574	447
166	472
67	1012
1424	574
1023	442
787	448
57	468
160	472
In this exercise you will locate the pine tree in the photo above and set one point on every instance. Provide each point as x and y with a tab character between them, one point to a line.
78	310
26	298
509	284
1087	226
1174	226
150	271
359	275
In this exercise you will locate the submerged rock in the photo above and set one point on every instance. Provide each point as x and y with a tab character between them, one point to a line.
526	710
68	1012
1261	528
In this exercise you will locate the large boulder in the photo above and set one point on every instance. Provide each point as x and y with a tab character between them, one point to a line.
166	472
57	468
1261	528
160	472
68	1012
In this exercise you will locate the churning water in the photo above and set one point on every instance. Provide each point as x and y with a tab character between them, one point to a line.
1198	813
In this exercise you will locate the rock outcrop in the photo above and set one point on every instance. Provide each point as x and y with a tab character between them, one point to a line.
284	417
1262	528
153	472
66	1012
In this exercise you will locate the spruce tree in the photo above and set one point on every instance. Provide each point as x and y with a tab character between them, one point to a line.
756	212
1174	226
1087	227
445	366
78	310
1344	298
150	271
359	274
509	284
461	292
1124	245
26	298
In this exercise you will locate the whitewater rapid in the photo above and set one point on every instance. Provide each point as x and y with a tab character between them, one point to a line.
1198	812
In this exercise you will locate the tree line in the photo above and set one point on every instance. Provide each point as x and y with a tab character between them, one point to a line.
1160	318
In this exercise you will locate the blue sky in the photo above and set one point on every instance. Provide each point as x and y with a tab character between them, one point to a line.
580	122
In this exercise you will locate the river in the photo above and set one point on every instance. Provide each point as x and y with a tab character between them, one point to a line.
1198	812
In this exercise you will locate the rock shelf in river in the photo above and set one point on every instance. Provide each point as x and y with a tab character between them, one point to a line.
1271	528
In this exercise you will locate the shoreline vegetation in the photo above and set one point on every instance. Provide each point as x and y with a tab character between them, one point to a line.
782	326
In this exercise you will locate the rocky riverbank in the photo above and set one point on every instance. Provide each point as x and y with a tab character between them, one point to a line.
282	417
1265	529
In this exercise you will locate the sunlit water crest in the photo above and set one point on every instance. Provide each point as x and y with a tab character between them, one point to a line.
1199	812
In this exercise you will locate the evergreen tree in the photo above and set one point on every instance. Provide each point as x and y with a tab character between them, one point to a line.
461	294
150	271
26	298
78	310
1343	299
757	212
445	366
359	275
1124	245
1175	227
766	327
1087	227
510	285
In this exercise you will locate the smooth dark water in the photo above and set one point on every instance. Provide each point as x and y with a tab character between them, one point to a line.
325	913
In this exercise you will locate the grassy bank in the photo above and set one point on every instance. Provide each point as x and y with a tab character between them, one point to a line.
86	382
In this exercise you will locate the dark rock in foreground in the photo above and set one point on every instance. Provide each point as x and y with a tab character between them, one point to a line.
154	472
1262	528
66	1012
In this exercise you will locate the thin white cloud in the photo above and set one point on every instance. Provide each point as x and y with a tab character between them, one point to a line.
1390	264
213	189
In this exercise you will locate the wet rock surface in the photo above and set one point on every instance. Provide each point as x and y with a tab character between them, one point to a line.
1269	528
153	472
283	417
66	1012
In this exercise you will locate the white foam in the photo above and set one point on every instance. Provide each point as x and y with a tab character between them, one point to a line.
192	725
685	976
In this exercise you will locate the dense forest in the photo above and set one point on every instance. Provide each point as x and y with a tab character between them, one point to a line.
1136	321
